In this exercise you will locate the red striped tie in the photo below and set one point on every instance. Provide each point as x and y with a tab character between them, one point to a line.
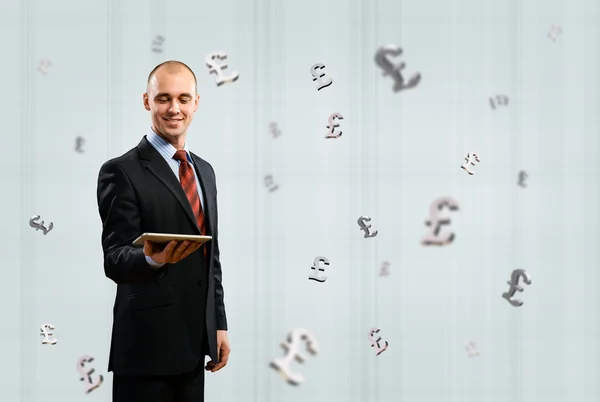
188	182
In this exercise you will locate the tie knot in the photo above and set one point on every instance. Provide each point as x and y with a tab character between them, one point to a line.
181	156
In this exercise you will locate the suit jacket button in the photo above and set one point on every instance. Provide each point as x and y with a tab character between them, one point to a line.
200	283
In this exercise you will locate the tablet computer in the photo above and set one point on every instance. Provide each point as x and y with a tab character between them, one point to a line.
167	237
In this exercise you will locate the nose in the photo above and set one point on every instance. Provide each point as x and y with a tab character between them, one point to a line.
174	108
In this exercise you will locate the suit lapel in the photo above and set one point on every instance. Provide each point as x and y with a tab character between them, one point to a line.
156	164
207	190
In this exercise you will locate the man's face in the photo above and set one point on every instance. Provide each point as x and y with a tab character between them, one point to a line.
172	102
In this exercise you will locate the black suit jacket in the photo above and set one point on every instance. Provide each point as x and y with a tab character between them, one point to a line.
160	316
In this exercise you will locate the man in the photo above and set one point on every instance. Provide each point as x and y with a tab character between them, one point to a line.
169	311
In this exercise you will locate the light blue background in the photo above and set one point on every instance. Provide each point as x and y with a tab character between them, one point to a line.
398	153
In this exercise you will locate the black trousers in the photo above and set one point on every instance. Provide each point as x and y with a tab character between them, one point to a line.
188	387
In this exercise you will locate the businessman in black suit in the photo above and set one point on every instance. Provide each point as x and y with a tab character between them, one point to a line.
169	311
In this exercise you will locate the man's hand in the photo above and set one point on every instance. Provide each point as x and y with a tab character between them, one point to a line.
173	252
223	350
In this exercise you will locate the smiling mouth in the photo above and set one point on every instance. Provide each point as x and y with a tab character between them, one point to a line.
172	119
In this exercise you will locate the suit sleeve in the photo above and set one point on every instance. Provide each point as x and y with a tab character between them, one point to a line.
121	225
219	294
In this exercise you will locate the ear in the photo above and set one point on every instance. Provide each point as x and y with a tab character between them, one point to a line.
146	101
196	102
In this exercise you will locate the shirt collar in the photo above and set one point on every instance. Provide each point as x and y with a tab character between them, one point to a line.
168	149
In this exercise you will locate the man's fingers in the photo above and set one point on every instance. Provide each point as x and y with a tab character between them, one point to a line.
150	247
179	250
218	367
224	356
209	366
189	249
182	246
192	247
170	247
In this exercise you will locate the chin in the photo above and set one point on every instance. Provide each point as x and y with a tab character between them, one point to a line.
174	132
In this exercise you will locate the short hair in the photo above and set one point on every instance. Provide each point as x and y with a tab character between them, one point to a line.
173	65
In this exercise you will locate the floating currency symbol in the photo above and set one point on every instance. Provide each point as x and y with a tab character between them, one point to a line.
78	144
514	286
470	159
213	67
385	269
374	341
45	64
275	132
363	226
501	99
319	75
395	71
38	226
332	126
87	374
46	330
471	349
269	183
157	44
292	349
435	222
522	177
555	30
316	268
